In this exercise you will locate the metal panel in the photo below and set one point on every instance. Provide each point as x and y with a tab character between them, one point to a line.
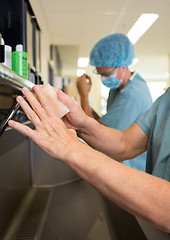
47	171
125	224
151	232
15	178
76	212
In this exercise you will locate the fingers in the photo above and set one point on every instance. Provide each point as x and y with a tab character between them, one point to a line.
38	137
45	126
88	77
43	115
29	112
45	101
90	82
56	90
22	129
34	104
50	132
42	86
82	78
37	115
66	100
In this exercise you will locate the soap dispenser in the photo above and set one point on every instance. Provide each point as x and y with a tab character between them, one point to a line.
19	61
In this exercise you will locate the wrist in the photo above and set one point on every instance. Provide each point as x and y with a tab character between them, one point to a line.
85	127
73	152
84	95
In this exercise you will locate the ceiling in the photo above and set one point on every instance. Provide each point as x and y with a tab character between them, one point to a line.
79	24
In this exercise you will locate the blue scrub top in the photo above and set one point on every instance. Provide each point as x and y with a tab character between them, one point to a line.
156	124
125	107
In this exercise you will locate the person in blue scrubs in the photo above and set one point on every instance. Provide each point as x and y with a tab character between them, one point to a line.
129	95
156	124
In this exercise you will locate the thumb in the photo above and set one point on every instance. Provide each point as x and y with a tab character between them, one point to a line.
65	99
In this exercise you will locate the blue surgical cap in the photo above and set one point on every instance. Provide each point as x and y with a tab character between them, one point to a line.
114	50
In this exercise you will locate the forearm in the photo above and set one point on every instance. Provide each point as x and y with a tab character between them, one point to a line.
139	193
85	105
112	142
95	115
106	140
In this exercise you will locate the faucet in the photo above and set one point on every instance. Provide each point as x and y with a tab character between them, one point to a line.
17	82
12	79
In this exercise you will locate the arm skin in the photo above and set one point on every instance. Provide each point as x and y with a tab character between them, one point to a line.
114	143
139	193
84	85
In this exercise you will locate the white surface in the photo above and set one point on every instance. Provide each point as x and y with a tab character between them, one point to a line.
19	48
8	56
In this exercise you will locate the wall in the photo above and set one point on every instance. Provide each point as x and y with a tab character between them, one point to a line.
155	70
46	39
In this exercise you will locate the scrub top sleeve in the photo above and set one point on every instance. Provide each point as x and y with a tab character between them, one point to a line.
146	119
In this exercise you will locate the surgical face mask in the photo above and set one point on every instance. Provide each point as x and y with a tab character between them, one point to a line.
111	81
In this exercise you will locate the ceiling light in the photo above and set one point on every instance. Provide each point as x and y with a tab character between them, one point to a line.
80	72
83	62
141	26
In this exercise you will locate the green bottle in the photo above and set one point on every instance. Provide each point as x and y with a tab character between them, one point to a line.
19	61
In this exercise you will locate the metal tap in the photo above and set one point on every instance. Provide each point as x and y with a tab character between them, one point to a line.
13	80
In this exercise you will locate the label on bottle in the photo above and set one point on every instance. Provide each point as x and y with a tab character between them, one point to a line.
19	63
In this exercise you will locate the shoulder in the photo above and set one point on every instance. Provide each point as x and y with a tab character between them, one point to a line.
135	87
164	100
158	110
138	86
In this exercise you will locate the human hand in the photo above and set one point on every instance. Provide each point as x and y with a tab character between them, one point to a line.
84	84
76	118
50	132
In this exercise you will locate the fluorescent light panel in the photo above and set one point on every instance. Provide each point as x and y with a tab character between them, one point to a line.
83	62
143	23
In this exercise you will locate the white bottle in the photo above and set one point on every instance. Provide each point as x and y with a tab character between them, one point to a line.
2	49
8	56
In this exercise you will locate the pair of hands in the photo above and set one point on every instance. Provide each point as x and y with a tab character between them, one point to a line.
55	136
84	85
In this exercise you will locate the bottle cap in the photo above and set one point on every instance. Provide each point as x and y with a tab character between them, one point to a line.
19	48
2	49
1	40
